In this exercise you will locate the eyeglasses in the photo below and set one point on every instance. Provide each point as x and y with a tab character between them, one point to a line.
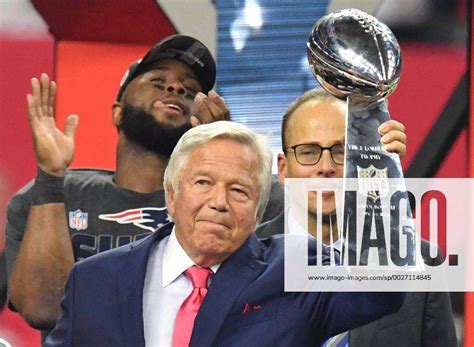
310	153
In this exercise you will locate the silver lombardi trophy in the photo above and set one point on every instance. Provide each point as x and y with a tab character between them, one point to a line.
356	57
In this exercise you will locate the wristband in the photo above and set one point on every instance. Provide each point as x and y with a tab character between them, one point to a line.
47	189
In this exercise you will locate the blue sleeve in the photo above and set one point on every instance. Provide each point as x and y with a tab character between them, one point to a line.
343	311
334	312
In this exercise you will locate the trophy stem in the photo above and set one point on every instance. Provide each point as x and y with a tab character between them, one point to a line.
375	197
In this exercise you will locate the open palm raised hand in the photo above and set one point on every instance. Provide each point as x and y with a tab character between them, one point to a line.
54	148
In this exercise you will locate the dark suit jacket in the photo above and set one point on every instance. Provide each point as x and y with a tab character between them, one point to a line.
104	297
425	319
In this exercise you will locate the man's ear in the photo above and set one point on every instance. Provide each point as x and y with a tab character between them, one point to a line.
170	201
116	113
282	168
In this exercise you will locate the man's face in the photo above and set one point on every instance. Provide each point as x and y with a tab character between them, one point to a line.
321	123
215	206
157	106
166	91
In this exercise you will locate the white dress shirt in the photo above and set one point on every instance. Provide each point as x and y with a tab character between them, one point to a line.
166	287
294	227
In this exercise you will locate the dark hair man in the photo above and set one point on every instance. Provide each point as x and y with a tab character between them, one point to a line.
68	215
315	120
209	274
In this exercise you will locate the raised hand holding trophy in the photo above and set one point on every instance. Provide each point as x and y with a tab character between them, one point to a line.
356	57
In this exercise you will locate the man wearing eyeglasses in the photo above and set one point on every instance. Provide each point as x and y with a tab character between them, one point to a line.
313	132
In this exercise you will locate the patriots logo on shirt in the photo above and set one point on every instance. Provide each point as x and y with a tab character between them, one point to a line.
148	218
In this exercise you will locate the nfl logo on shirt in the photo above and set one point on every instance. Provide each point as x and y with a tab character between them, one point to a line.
78	220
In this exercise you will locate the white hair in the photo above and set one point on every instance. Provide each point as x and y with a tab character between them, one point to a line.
203	134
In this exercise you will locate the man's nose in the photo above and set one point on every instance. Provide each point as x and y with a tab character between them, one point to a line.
218	199
326	167
175	86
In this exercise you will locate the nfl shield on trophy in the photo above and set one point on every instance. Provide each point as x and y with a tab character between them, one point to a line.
357	58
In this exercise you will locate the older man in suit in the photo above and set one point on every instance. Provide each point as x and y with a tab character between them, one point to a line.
313	131
207	280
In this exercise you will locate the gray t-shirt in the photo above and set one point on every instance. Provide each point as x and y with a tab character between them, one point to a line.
100	214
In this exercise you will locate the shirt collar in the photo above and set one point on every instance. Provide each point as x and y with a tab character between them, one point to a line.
337	245
293	226
176	261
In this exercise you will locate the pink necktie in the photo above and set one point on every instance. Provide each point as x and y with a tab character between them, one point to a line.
184	323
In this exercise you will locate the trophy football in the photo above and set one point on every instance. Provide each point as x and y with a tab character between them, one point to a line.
357	58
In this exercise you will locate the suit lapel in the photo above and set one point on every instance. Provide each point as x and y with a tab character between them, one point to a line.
362	336
274	227
130	282
234	275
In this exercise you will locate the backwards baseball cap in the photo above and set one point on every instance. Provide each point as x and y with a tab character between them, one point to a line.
183	48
